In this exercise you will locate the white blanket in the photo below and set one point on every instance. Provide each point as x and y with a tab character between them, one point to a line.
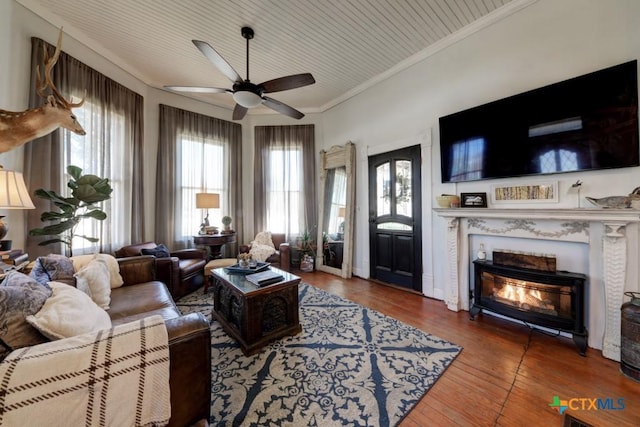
113	377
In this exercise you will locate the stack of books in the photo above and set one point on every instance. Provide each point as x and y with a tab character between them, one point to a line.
14	256
264	278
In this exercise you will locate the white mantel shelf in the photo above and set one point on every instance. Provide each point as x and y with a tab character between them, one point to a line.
604	215
611	236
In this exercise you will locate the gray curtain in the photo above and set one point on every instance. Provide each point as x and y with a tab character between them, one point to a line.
175	122
46	158
267	140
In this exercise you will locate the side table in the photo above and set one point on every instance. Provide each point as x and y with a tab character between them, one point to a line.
214	242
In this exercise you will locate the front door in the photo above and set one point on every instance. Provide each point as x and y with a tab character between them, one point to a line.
395	218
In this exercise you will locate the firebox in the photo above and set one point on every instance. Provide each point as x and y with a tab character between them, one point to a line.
552	299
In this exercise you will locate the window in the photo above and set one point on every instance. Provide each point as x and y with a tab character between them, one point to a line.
204	166
111	116
284	188
285	180
197	154
102	156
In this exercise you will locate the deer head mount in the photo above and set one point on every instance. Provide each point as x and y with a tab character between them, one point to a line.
17	128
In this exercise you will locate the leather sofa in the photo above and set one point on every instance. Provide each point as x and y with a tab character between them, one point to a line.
281	258
182	271
189	337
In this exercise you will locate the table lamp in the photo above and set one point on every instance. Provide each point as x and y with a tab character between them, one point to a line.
342	212
207	201
13	195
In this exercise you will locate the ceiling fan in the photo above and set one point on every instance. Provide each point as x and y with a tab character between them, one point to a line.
246	94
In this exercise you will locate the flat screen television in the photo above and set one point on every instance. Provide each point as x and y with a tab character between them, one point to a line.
585	123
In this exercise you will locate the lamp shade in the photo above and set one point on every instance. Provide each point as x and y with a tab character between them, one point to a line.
13	191
342	212
207	200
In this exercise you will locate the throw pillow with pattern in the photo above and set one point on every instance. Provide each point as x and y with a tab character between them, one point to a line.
53	267
160	251
20	296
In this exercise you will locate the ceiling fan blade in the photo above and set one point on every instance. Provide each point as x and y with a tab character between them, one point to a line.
281	108
285	83
239	112
197	89
218	61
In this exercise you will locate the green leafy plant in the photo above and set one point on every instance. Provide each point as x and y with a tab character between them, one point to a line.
87	192
226	221
307	244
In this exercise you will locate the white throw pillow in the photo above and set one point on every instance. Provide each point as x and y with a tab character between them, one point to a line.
93	279
115	278
261	252
263	238
80	261
114	269
68	312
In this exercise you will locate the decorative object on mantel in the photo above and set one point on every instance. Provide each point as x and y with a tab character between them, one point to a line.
618	202
576	186
13	195
448	201
634	197
86	192
546	191
17	128
611	202
473	200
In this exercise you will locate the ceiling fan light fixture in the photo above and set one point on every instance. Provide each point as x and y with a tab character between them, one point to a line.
247	98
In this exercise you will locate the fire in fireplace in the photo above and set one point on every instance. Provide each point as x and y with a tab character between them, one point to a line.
550	299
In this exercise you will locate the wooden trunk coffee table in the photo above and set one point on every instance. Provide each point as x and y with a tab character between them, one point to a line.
254	315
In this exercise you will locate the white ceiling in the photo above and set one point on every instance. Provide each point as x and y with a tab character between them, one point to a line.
348	45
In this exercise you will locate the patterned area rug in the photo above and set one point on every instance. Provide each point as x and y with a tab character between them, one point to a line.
350	365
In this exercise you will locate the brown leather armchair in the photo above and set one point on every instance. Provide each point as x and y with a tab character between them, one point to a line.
182	271
281	258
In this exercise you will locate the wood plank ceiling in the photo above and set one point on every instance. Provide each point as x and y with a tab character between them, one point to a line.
347	45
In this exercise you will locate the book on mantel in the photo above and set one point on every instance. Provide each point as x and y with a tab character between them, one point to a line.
264	278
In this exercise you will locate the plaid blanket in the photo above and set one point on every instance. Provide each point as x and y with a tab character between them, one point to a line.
117	376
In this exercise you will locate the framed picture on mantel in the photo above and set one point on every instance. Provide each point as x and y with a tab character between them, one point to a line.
473	200
546	191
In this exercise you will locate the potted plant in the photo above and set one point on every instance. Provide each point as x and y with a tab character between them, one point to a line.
226	221
307	248
87	192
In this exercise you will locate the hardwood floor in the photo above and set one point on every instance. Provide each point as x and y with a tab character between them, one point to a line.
506	374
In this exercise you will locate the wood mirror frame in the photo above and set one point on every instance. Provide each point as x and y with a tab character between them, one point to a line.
336	158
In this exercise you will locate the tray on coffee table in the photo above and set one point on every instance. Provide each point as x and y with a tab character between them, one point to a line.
236	269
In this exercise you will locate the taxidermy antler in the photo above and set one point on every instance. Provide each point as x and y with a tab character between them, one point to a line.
17	128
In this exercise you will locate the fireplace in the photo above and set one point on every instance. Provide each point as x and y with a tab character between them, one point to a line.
549	299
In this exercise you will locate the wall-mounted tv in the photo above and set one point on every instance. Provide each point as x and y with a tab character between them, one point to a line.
585	123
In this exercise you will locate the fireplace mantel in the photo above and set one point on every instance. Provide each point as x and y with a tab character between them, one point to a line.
603	230
601	215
